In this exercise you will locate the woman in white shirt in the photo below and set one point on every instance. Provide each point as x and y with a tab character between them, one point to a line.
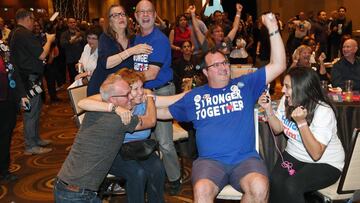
89	56
314	156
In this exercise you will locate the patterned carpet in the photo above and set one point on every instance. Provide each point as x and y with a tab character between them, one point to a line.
36	173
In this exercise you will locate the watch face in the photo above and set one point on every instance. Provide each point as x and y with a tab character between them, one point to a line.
113	108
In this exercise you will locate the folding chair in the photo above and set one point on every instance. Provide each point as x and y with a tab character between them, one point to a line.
349	180
76	94
228	192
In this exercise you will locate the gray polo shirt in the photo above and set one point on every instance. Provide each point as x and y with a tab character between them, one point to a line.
95	147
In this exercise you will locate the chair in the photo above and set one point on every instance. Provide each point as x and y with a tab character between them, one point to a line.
228	192
239	70
76	94
349	180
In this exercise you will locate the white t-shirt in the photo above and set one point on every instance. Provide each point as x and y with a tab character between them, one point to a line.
324	129
302	28
89	59
241	52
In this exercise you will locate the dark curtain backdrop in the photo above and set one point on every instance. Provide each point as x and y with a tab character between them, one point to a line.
78	9
248	7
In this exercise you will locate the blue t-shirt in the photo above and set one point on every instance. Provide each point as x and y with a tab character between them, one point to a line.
139	109
223	117
107	47
161	56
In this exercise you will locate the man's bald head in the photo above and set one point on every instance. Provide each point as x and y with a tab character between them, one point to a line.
352	42
144	3
349	49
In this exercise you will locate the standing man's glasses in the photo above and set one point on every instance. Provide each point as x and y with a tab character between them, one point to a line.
143	12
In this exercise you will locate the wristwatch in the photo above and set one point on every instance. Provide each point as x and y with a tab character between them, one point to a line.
113	108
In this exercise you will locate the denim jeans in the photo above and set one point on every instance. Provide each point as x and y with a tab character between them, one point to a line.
164	135
32	123
63	195
147	175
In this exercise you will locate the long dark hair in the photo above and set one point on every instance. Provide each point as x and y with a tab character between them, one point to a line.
306	92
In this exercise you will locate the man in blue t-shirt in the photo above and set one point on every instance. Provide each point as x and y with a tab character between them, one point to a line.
158	75
222	114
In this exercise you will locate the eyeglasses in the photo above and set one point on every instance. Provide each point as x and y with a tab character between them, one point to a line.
219	64
117	15
122	95
143	12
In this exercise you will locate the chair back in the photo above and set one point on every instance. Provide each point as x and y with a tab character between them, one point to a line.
76	94
350	178
237	71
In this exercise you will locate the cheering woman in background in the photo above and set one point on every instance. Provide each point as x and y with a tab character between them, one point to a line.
115	48
314	156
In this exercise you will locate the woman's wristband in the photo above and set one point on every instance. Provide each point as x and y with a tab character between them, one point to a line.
110	107
119	54
274	33
127	53
152	96
238	15
270	114
302	124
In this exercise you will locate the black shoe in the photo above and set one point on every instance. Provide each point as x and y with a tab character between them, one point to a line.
174	187
43	142
8	177
55	100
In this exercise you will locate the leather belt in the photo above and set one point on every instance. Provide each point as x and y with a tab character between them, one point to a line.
164	85
73	188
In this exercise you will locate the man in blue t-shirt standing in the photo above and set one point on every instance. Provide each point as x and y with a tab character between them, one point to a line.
158	74
223	115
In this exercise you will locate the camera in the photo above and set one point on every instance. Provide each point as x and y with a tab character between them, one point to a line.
35	90
27	106
302	26
49	25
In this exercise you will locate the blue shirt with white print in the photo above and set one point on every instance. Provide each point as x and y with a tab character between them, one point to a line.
223	117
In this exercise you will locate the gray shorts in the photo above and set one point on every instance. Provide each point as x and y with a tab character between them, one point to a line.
223	174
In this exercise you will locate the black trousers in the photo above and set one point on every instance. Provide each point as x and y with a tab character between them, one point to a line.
72	71
8	111
61	68
50	77
308	177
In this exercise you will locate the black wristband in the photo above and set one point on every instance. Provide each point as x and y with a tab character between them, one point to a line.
274	33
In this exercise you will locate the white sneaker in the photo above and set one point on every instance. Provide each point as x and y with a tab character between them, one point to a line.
37	150
118	190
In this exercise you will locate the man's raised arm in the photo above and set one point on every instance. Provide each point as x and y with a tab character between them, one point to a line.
277	63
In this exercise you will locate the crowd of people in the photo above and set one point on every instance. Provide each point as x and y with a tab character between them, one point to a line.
133	69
